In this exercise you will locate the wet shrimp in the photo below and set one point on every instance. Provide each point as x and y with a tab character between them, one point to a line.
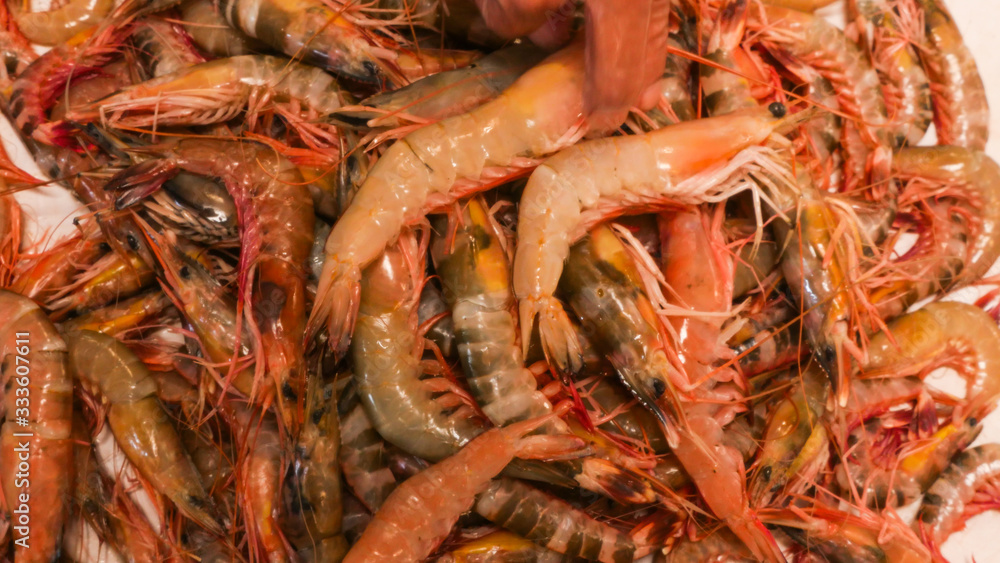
123	315
968	177
961	112
552	523
140	424
163	47
316	474
217	91
401	530
28	336
688	163
210	31
905	84
276	228
58	25
472	264
972	474
539	114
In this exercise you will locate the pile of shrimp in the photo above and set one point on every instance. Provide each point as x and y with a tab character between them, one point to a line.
358	281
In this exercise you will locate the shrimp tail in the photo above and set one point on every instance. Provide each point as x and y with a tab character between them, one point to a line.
559	341
756	537
140	180
337	300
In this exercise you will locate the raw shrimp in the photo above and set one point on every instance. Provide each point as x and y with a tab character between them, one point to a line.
474	272
961	112
552	523
276	228
362	453
216	91
795	434
402	532
720	546
163	47
405	410
211	312
970	177
539	114
972	473
316	474
818	43
500	547
210	30
924	339
598	288
32	94
843	536
445	94
33	363
902	476
687	163
139	423
57	26
106	281
320	35
905	84
196	208
121	316
258	475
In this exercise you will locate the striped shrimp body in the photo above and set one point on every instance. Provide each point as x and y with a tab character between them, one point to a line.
316	475
972	474
475	277
276	228
817	43
163	47
401	530
905	84
971	178
140	424
961	111
920	339
407	411
552	523
539	114
687	163
216	91
210	31
28	336
362	453
600	287
320	35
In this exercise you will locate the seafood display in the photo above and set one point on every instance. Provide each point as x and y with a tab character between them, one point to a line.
406	281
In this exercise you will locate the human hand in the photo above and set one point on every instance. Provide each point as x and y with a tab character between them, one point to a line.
626	47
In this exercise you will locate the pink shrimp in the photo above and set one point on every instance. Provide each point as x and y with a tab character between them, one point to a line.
688	163
539	114
401	530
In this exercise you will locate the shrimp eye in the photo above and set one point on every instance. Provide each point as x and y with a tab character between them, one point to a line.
659	388
777	109
185	272
133	242
104	247
765	473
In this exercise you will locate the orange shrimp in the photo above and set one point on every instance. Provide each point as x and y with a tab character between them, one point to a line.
39	393
401	530
433	166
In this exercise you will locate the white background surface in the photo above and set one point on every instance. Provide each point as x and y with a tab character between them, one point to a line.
49	210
